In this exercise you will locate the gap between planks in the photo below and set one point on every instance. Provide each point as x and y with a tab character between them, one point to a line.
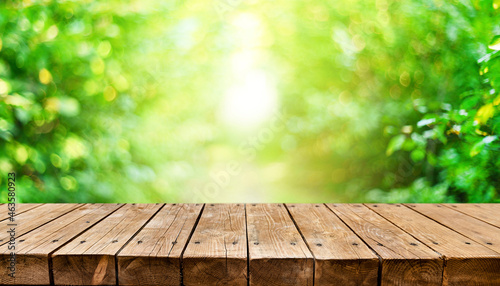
307	243
51	275
379	270
130	239
187	242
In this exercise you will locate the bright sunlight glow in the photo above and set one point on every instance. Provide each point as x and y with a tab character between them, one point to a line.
252	98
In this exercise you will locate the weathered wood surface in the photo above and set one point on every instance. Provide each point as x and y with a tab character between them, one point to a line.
480	211
341	256
32	219
404	258
476	230
460	261
252	244
33	252
153	256
277	253
6	209
89	259
217	251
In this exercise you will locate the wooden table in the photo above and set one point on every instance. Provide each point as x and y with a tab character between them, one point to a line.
252	244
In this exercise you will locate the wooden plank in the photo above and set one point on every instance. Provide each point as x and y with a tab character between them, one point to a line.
417	244
466	264
89	259
405	260
474	229
342	258
217	251
19	208
34	218
32	254
277	253
153	256
485	212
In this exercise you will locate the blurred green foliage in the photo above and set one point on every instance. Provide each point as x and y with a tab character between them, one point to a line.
296	101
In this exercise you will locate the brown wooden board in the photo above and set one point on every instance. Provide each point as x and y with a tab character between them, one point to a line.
475	229
277	253
32	219
89	259
153	256
32	254
342	258
461	259
256	244
217	251
489	213
405	260
5	209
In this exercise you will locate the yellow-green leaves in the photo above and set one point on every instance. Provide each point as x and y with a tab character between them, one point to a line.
496	4
395	144
109	93
69	183
495	43
97	65
479	146
21	154
66	106
74	147
417	155
4	87
18	100
496	101
484	113
45	76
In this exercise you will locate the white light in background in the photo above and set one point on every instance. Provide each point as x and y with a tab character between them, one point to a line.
252	98
250	102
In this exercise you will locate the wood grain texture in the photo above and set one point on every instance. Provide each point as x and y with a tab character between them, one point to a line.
405	260
153	256
461	259
342	258
475	229
293	244
32	267
19	208
217	251
34	218
277	253
89	259
484	212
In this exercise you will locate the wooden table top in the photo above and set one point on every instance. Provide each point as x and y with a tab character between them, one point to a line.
250	244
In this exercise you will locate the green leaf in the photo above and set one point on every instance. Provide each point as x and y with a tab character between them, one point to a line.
395	144
417	155
477	148
495	43
469	102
